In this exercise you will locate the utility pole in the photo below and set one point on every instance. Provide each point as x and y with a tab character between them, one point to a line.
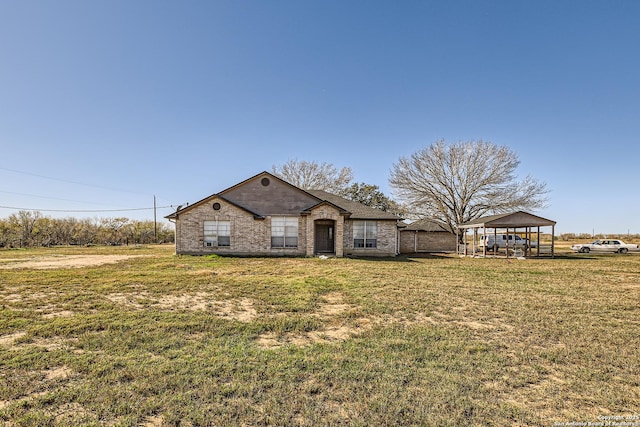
155	221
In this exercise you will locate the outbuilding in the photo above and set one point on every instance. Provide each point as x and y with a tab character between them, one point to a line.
426	235
513	223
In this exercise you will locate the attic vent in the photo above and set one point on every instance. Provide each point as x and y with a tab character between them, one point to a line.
265	182
216	206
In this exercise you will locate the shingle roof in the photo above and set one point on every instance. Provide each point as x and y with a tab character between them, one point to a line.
348	207
207	200
358	210
426	224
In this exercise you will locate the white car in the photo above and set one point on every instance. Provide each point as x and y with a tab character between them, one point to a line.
498	241
605	245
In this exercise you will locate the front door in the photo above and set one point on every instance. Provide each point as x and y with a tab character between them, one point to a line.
325	237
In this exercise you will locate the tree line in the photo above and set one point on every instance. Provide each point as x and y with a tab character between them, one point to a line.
31	229
570	237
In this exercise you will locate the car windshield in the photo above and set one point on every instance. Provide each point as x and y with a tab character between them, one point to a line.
596	242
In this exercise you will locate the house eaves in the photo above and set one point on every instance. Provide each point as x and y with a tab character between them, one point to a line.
208	200
357	210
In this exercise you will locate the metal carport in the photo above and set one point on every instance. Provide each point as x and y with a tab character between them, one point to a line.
511	222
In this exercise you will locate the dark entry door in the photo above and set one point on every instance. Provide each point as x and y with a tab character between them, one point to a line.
325	237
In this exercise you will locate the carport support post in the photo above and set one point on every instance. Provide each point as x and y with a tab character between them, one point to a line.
538	242
553	240
473	243
484	236
507	242
464	242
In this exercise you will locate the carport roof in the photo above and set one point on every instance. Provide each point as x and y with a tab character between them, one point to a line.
509	220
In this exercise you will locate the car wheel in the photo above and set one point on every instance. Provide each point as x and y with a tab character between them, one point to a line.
623	250
584	250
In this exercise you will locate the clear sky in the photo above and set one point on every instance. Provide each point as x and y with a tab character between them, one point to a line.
105	103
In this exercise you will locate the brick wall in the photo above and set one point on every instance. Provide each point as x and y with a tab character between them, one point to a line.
386	244
249	236
426	241
324	212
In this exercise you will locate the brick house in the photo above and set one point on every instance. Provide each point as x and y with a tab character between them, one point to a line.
266	216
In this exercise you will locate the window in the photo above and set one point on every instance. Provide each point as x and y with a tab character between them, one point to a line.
365	234
217	233
284	232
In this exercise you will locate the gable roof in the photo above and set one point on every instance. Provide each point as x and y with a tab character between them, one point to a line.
311	198
209	199
358	210
264	174
327	203
511	220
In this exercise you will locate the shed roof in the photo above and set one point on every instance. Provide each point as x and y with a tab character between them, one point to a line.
511	220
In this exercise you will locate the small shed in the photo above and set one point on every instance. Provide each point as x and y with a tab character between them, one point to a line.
426	235
512	223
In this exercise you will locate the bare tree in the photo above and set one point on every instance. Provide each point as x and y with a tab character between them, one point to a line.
314	176
460	182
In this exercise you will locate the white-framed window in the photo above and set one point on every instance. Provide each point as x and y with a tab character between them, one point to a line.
365	234
284	232
217	233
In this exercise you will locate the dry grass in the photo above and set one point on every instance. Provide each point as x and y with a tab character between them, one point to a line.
163	340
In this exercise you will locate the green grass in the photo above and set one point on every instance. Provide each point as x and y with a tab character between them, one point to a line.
177	340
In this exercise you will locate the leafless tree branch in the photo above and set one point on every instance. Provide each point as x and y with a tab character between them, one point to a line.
314	176
456	183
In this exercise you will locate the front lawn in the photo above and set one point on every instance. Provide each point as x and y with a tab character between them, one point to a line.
150	338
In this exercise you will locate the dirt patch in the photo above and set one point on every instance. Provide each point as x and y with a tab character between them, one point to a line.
331	307
153	421
9	340
195	302
241	309
64	261
63	313
55	343
61	372
129	300
330	334
12	298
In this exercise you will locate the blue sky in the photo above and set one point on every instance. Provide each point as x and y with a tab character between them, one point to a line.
104	104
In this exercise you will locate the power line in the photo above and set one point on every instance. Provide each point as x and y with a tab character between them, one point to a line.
50	198
85	211
71	182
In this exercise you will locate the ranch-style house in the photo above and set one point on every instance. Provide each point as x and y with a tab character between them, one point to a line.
267	216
